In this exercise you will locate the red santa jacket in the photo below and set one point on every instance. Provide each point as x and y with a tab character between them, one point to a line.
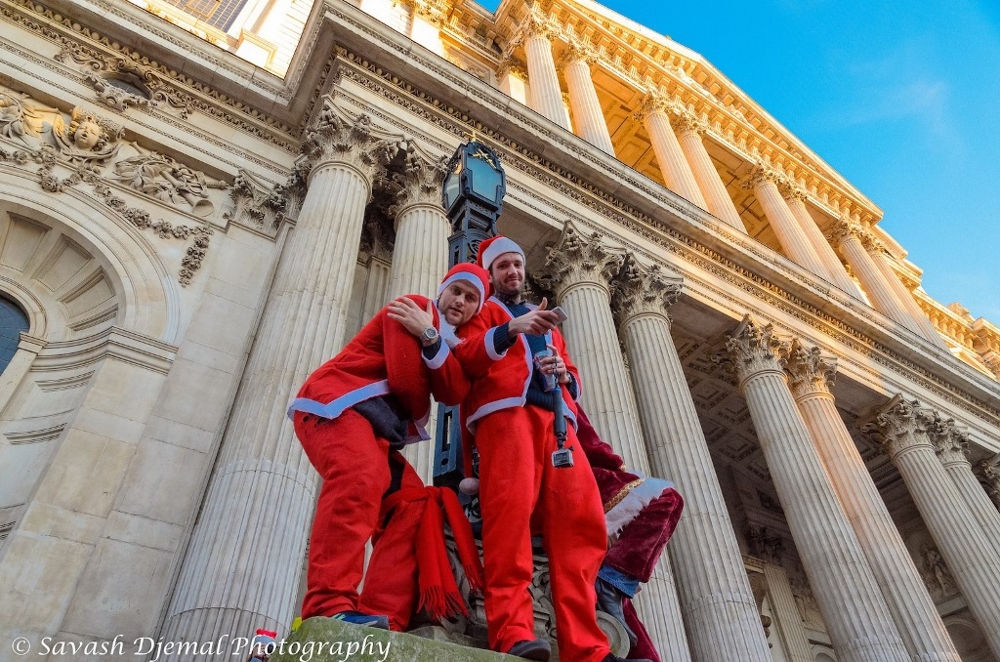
501	380
384	358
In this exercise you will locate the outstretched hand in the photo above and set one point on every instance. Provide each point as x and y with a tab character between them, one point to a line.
535	322
407	312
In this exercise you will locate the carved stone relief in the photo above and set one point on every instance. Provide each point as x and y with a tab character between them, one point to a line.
87	148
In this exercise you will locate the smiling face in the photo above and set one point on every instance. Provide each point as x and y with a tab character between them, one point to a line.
507	274
458	302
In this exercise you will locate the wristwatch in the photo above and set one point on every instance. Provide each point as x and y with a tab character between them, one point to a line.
429	336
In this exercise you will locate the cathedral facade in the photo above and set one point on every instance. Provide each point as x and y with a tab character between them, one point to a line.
202	202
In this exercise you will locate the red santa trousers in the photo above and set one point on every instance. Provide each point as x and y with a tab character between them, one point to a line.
391	585
354	466
520	487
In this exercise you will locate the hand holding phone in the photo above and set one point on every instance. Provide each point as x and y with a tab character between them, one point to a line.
560	314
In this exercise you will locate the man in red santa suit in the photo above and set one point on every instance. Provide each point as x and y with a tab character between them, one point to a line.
512	416
353	414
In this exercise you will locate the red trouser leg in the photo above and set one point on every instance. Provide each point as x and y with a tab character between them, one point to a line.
391	586
353	465
575	539
516	472
509	482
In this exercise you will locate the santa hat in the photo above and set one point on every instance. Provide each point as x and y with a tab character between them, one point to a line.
494	247
472	274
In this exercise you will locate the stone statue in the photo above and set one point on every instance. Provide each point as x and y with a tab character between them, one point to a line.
87	140
168	180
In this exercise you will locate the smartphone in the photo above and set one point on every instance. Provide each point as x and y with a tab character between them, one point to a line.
561	314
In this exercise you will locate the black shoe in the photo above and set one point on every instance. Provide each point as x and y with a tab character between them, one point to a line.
609	600
532	649
611	657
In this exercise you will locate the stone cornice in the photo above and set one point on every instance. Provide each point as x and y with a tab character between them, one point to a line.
439	95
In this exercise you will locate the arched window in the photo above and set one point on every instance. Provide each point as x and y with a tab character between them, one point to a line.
12	322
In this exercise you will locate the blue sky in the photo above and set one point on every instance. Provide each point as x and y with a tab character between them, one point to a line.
901	98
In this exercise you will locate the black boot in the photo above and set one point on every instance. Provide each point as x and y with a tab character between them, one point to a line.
532	649
609	600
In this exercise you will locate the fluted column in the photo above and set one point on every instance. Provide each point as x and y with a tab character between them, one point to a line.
991	473
673	164
793	635
580	268
241	568
791	236
420	257
853	608
723	623
847	236
688	132
833	268
901	427
811	376
919	320
544	93
588	116
951	445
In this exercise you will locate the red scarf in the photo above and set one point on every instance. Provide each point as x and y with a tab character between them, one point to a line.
439	594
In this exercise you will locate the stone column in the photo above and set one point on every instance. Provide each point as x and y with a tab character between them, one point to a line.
793	635
580	268
674	166
951	445
242	564
544	94
420	258
793	240
901	427
991	474
718	606
712	187
919	320
848	595
847	236
588	116
811	376
795	198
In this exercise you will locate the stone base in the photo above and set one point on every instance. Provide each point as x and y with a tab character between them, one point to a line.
325	640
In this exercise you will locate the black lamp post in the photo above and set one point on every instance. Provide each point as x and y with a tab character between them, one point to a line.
472	196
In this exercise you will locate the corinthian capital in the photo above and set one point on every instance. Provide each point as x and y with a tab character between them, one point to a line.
577	51
950	442
809	371
843	228
640	290
420	181
686	123
580	259
791	191
897	426
990	473
339	138
760	175
537	24
752	349
656	101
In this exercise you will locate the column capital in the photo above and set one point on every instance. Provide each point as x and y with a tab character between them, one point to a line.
580	259
420	181
843	228
897	426
989	470
761	174
950	442
791	191
511	65
640	290
685	123
434	12
577	51
656	101
537	24
752	349
808	369
338	138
